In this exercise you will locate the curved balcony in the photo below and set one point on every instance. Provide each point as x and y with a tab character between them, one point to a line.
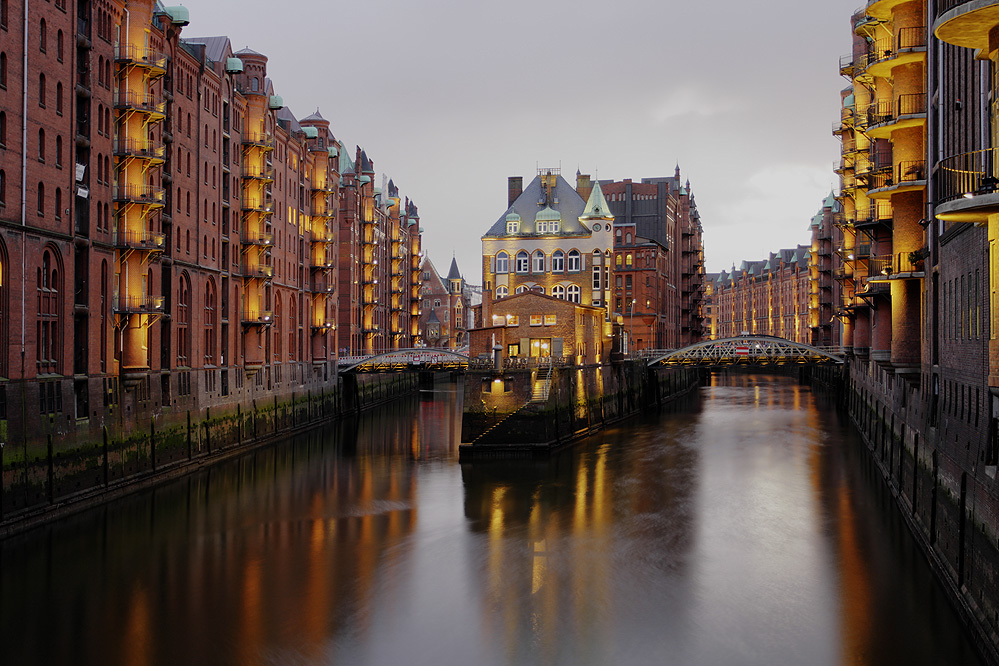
256	317
907	46
261	239
846	65
143	195
142	149
879	213
884	118
138	240
324	237
967	187
906	176
264	173
258	140
137	304
966	23
150	105
139	56
257	272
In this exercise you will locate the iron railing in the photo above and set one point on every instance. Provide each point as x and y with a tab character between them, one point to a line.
143	240
137	304
967	175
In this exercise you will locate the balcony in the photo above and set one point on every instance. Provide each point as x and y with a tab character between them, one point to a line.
324	237
322	209
257	272
257	204
322	326
966	23
878	213
151	105
907	46
257	317
903	177
261	239
322	263
967	188
258	140
138	240
263	173
901	266
137	304
139	56
140	149
846	66
908	110
140	195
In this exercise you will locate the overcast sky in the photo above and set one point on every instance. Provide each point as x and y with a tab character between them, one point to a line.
449	97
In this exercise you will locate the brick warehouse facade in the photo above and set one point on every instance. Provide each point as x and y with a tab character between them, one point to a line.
172	238
792	294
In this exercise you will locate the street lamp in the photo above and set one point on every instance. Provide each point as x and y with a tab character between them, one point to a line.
631	335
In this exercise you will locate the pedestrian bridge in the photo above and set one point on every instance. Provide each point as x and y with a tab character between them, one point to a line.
752	350
399	360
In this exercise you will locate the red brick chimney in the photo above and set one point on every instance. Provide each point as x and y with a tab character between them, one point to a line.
515	186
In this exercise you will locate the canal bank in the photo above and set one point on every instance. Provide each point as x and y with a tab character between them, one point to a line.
46	479
532	409
937	456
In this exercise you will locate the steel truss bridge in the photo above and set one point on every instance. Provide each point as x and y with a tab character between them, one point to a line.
753	350
399	360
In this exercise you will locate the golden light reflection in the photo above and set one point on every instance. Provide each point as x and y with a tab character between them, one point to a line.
137	630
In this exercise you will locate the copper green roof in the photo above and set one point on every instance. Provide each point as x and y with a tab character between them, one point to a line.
547	213
596	205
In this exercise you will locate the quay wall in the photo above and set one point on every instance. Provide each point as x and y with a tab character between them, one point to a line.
934	455
503	417
46	476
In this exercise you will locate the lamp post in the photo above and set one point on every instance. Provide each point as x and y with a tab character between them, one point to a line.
631	335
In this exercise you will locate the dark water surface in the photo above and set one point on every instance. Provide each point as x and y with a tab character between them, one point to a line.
744	528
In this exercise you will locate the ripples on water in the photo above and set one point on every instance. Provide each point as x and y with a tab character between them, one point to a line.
741	527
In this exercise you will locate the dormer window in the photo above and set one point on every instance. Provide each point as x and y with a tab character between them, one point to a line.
513	226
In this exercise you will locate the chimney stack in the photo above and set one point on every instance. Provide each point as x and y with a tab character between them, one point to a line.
515	186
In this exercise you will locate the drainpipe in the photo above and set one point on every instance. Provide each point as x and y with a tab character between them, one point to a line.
24	225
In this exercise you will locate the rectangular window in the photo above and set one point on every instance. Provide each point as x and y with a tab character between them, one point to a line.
512	320
537	320
549	320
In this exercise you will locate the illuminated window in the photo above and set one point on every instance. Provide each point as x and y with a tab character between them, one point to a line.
574	261
521	289
558	291
502	292
539	262
537	320
574	293
512	320
628	261
513	226
550	320
522	262
558	261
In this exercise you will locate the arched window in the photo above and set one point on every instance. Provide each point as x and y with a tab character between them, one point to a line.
502	263
573	293
3	128
211	322
3	189
3	69
184	321
628	260
276	328
59	98
502	291
42	36
539	261
59	45
255	84
521	289
41	90
292	330
522	262
47	351
617	260
558	261
558	291
41	145
104	315
58	155
3	13
574	262
41	198
58	203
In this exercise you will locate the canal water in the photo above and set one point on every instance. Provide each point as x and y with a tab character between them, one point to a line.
744	526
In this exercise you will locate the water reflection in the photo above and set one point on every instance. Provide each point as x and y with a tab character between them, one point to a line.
741	527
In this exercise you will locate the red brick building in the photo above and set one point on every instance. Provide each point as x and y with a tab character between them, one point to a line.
185	241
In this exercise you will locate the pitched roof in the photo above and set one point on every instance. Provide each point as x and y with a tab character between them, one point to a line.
216	48
596	205
565	201
454	273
